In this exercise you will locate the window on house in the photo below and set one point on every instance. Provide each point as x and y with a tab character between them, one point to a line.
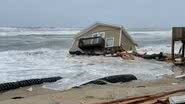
109	42
98	34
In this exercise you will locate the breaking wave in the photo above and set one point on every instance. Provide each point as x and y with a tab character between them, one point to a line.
76	70
42	55
6	31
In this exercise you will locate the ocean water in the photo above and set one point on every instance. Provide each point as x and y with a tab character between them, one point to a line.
43	52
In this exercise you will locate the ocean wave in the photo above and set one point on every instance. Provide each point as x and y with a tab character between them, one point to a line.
139	35
35	54
151	32
38	33
76	70
7	31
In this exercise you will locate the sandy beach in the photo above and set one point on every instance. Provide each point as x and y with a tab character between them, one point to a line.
90	94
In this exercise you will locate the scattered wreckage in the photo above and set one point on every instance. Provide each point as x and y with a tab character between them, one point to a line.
103	39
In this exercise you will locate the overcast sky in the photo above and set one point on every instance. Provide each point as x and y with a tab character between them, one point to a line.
80	13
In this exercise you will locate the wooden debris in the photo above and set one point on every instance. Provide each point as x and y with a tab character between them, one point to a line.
180	77
142	99
125	55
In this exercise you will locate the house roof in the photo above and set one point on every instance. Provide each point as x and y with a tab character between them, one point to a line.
104	24
95	25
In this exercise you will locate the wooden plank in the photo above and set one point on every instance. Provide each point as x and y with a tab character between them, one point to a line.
173	58
178	33
183	46
141	99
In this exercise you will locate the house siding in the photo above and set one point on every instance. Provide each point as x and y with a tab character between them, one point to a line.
109	33
127	43
119	39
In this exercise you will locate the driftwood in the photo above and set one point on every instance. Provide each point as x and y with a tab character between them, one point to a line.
142	99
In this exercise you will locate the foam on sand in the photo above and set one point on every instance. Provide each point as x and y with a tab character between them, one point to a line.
76	70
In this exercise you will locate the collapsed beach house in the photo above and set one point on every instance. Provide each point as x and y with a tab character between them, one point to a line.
101	39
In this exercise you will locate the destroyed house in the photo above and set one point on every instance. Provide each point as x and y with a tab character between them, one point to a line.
103	39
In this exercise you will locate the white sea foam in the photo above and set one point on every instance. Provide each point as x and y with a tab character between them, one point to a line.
153	36
46	62
91	68
152	33
19	65
5	31
158	48
38	33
